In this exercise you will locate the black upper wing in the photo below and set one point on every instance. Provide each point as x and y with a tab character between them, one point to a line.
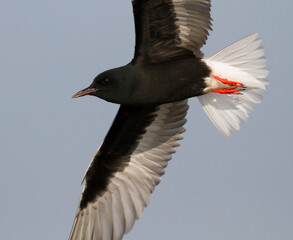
167	29
115	152
126	169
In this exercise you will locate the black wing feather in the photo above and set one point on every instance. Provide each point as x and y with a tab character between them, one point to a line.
114	154
169	29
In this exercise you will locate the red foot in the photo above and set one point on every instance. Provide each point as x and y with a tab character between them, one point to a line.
227	91
236	86
228	82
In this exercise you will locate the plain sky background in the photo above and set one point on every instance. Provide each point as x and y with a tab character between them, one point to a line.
215	188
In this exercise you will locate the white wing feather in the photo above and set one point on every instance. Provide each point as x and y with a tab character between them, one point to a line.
113	214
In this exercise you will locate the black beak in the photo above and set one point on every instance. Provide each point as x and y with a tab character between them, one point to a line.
86	91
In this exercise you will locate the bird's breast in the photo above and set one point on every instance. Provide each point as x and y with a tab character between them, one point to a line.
168	82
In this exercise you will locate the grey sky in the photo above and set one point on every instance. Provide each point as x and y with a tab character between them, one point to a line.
214	188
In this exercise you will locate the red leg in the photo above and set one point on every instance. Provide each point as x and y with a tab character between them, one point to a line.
235	87
227	91
228	82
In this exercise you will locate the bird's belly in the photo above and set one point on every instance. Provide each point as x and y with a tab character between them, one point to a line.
170	82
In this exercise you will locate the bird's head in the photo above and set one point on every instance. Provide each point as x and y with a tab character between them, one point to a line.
109	85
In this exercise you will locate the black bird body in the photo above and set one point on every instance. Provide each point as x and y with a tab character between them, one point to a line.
155	83
152	90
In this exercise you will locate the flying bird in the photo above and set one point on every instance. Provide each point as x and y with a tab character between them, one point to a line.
168	67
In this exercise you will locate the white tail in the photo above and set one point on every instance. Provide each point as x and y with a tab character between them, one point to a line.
244	62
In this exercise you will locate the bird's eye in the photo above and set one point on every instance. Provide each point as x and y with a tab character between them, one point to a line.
105	81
